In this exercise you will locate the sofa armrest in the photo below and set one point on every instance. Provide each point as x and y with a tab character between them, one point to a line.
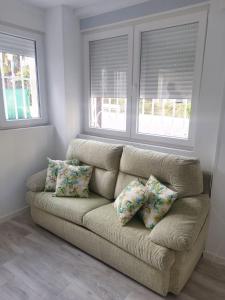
180	228
36	182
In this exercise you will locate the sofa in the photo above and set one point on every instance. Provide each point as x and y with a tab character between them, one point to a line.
162	259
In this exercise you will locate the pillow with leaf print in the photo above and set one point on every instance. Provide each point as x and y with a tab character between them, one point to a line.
130	200
52	172
73	181
159	200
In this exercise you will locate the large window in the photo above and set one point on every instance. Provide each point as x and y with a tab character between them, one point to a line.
20	95
145	85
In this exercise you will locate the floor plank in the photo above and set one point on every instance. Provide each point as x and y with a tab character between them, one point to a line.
35	264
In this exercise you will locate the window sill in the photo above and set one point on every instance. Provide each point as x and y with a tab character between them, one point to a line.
25	128
185	151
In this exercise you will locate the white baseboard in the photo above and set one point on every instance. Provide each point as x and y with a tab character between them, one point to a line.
13	214
214	258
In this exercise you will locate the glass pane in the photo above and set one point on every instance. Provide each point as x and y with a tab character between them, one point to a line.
10	99
19	99
167	66
165	117
7	64
26	65
108	83
19	82
108	113
16	65
19	78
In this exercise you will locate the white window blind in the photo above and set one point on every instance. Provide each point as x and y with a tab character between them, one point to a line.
168	62
17	45
109	67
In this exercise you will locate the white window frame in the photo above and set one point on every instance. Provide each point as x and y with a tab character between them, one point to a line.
134	32
38	38
201	18
87	91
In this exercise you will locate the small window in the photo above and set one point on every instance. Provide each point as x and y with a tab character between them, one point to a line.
19	86
108	83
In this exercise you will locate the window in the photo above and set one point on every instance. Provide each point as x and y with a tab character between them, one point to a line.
166	80
145	84
20	94
108	70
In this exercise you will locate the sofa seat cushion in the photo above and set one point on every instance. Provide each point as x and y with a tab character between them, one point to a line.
133	238
70	209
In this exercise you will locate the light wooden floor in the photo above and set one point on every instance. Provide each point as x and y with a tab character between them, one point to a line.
36	265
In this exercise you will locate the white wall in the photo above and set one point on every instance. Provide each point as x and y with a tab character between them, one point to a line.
216	240
212	121
63	65
22	151
212	87
16	13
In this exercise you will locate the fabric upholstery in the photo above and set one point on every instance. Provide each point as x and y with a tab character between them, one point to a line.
36	182
130	200
134	238
105	251
180	228
172	280
181	270
71	209
105	158
73	181
103	182
30	197
183	174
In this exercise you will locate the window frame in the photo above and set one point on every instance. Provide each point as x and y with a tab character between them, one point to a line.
87	91
201	18
38	38
134	33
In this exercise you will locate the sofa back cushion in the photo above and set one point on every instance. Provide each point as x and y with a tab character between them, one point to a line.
105	159
182	174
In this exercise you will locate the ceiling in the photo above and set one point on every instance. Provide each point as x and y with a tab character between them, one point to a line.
86	8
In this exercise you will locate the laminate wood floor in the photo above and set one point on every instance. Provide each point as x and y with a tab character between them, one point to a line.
36	265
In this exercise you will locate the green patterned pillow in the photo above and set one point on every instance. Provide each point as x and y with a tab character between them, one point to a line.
52	172
160	199
130	200
72	181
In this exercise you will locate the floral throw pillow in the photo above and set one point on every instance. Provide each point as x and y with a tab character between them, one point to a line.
72	181
130	200
160	199
52	172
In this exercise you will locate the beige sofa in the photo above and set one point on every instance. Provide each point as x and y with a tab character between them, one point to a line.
162	259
